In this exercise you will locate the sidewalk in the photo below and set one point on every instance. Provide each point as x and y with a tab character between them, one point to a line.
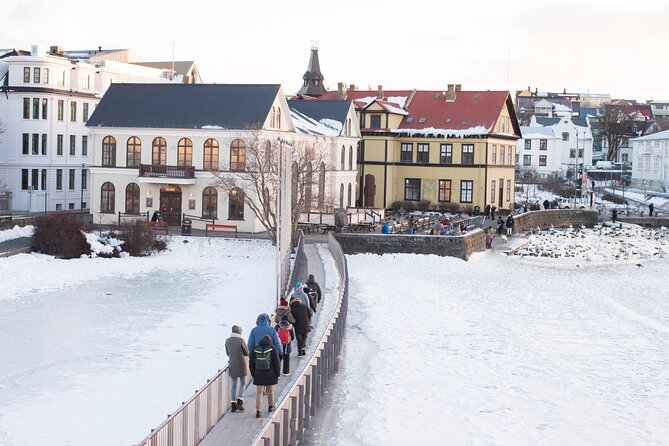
15	246
241	428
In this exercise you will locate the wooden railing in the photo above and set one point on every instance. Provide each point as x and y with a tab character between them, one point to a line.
155	171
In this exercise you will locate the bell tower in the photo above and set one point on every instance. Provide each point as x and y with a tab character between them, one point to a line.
313	78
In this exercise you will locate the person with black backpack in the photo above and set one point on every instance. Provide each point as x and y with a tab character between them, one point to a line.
315	288
265	368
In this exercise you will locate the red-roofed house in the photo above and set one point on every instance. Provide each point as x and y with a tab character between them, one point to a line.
454	149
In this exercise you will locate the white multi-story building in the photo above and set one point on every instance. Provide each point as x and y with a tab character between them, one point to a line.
571	145
45	147
650	169
167	148
538	151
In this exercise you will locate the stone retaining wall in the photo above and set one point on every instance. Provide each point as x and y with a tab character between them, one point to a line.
462	246
654	222
558	218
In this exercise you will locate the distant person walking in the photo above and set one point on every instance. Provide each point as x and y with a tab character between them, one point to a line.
302	326
493	208
298	293
547	204
265	368
286	334
385	229
488	238
651	208
614	214
315	288
509	225
238	369
283	310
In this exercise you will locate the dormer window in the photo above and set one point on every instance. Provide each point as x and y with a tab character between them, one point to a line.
375	121
316	82
422	120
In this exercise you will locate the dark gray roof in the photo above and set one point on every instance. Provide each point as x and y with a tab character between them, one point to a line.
317	110
184	106
547	121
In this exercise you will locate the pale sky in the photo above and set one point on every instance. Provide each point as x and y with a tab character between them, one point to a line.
600	46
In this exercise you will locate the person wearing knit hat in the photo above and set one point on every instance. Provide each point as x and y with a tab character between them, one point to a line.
283	310
302	326
286	335
299	293
238	367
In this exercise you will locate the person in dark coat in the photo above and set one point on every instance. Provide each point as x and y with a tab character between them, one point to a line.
299	293
312	300
315	287
509	225
493	208
547	204
238	369
301	325
486	211
500	225
651	208
265	379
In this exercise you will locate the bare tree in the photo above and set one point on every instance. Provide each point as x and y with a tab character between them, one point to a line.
258	180
617	127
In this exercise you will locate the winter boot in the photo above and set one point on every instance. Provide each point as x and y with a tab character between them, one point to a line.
257	414
240	405
233	406
271	409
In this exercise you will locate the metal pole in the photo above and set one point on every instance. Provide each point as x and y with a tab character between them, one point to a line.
277	231
81	202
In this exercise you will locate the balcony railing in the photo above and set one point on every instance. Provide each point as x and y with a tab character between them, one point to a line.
149	170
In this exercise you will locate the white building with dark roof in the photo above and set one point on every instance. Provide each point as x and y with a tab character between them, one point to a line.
650	168
169	147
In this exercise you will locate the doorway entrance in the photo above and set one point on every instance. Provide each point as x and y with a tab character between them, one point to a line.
170	204
500	200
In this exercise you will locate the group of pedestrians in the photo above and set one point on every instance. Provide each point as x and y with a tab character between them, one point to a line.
266	354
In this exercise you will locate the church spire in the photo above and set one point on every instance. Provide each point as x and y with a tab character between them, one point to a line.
313	78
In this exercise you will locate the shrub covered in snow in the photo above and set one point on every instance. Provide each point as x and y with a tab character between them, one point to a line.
59	235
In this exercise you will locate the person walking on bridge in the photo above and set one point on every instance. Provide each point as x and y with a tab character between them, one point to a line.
264	328
265	368
238	369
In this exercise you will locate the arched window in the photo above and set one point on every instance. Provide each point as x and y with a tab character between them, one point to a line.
237	156
210	203
272	118
565	136
267	163
308	181
133	152
185	152
236	204
132	199
109	152
341	195
350	158
210	154
107	198
278	118
343	157
159	152
321	187
348	196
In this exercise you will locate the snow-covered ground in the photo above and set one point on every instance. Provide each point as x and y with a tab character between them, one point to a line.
99	351
16	232
504	351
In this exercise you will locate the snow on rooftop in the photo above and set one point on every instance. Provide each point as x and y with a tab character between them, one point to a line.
399	100
471	131
212	127
396	110
537	132
305	124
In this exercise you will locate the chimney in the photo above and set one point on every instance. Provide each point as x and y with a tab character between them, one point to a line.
352	87
564	91
341	91
379	92
55	50
458	88
450	93
99	49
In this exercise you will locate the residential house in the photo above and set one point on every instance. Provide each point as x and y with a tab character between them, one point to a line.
538	152
449	149
650	169
172	157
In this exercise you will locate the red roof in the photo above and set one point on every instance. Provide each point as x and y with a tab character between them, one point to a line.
356	95
430	109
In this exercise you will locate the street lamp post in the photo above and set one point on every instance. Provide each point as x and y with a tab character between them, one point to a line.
81	202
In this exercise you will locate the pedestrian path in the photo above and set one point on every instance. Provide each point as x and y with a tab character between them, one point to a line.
15	246
512	243
240	428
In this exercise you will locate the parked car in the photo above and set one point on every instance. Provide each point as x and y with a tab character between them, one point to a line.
605	165
568	203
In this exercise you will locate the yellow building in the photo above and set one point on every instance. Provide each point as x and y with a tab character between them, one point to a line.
454	149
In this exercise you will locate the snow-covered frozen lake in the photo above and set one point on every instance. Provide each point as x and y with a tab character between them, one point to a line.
503	351
98	351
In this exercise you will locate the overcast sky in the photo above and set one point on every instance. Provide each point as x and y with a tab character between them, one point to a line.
600	46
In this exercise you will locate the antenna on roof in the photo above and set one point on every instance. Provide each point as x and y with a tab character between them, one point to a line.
508	63
172	76
314	44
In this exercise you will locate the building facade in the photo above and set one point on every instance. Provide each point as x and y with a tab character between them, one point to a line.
45	150
450	150
174	158
650	169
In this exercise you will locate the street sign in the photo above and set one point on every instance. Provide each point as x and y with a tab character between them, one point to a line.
30	189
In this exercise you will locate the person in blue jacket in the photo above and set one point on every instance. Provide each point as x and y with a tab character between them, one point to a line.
386	228
263	328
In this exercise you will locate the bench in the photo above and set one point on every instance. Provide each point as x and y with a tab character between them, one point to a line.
159	226
220	228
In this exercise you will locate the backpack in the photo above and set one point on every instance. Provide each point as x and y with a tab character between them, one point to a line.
284	336
312	291
263	357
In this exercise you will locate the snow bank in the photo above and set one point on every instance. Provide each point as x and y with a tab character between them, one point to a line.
16	232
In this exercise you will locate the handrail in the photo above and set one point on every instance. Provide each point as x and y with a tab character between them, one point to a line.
197	218
292	415
191	422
